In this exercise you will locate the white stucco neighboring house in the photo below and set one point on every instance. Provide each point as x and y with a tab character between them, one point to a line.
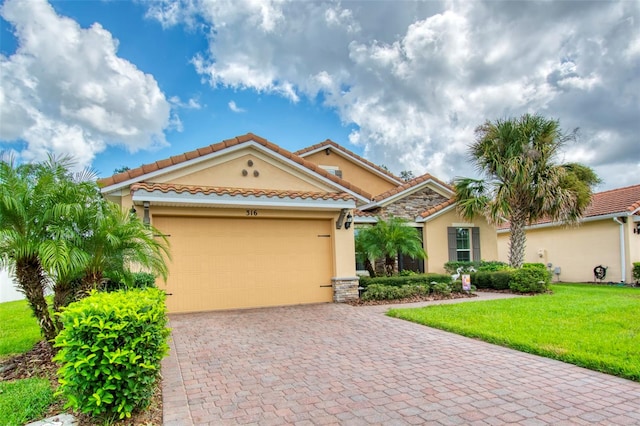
8	291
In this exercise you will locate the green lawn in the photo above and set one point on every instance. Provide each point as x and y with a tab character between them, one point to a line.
28	399
596	327
19	331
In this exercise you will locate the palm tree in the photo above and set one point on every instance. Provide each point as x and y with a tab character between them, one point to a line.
35	202
117	241
523	182
387	239
56	231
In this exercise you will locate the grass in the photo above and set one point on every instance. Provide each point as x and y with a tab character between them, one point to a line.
19	331
595	327
28	399
24	400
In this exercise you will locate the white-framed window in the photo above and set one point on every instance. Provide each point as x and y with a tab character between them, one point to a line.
464	243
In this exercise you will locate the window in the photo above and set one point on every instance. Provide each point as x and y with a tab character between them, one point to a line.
464	244
334	170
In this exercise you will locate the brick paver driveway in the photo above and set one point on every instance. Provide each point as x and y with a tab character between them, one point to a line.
337	364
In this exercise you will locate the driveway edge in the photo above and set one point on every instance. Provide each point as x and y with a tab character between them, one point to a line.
175	405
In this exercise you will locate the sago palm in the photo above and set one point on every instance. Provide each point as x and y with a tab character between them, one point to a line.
523	182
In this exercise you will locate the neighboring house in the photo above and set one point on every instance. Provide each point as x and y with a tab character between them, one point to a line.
8	290
608	235
251	224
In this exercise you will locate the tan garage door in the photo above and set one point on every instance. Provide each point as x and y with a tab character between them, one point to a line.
228	263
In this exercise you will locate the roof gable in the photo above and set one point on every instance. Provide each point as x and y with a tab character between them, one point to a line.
154	171
408	188
351	156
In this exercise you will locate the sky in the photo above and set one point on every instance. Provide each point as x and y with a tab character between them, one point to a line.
404	84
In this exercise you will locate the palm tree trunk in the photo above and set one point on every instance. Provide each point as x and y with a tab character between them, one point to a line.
91	281
389	265
32	282
518	240
369	267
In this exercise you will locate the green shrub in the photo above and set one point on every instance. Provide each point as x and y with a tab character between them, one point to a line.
481	279
110	350
484	265
530	279
500	280
636	271
139	280
442	288
388	292
492	266
399	281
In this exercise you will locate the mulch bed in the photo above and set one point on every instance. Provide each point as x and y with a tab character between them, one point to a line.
37	363
430	298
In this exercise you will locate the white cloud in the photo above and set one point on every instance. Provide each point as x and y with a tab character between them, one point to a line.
235	108
66	91
418	79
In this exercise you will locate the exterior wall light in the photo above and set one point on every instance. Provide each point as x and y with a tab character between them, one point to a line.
348	222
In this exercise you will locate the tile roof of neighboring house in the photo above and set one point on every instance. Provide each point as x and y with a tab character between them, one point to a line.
620	200
437	208
407	185
178	159
360	213
331	143
269	193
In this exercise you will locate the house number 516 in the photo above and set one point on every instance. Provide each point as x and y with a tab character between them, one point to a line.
252	212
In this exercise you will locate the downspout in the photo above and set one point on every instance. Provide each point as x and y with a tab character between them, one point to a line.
623	264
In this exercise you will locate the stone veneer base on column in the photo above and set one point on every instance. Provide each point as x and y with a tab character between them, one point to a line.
345	289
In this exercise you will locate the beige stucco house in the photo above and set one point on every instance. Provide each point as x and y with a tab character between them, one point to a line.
251	224
608	235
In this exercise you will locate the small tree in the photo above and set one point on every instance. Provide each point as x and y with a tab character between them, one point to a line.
387	239
523	182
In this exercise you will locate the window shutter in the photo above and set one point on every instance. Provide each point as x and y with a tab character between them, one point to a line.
475	241
451	238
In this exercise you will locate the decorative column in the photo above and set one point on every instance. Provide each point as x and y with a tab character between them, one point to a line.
345	289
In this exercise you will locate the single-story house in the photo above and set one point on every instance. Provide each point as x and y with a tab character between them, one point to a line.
608	235
251	224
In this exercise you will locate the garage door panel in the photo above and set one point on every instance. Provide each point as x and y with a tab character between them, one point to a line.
227	263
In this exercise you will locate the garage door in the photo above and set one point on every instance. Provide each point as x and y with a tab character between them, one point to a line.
229	263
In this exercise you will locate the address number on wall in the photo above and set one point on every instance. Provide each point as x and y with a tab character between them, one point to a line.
252	212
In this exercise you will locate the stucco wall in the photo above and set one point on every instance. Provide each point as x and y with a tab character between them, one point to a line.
577	250
8	290
436	244
353	173
227	171
343	239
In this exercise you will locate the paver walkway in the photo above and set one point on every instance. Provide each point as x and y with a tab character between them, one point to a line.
337	364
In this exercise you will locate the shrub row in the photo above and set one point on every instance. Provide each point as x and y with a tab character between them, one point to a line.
390	292
483	265
531	278
399	281
137	280
636	271
110	350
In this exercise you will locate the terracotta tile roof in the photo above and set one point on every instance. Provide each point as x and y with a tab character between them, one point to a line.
331	143
437	208
360	213
620	200
178	159
244	192
410	184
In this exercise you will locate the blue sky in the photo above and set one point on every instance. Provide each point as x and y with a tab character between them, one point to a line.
118	83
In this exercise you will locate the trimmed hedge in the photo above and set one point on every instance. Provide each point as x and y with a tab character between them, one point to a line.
483	265
110	350
389	292
137	280
399	281
636	271
531	278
